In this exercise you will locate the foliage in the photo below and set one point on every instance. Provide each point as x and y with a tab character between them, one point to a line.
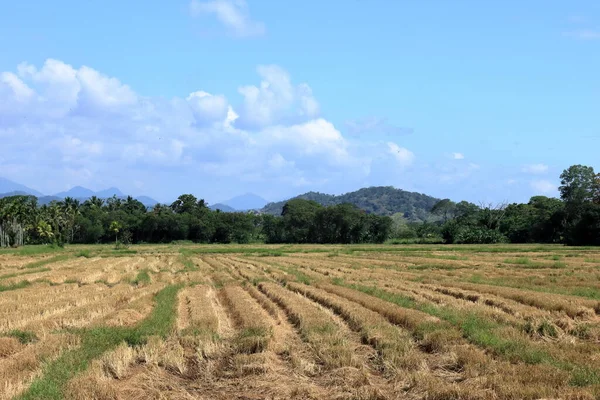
381	200
371	215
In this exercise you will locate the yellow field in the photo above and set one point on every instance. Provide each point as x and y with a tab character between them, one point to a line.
300	322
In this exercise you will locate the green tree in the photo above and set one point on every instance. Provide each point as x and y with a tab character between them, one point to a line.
445	208
186	203
115	227
579	184
44	230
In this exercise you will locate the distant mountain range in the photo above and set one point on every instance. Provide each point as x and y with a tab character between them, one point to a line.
10	188
244	202
248	201
222	207
380	200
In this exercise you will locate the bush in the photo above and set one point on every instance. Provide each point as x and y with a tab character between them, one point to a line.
478	235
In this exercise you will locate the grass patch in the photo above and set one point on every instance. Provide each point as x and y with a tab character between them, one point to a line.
142	278
421	267
584	376
84	253
524	262
121	252
14	274
477	330
587	292
188	265
23	337
46	261
14	286
273	253
97	341
32	250
299	275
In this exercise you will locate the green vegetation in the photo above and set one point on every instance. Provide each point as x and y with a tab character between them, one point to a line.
24	337
370	215
142	278
14	286
382	200
84	253
32	271
97	341
46	261
485	333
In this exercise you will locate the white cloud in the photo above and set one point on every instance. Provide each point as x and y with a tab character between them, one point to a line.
276	99
535	168
313	138
57	119
584	34
279	162
15	88
543	186
233	14
458	156
207	107
403	156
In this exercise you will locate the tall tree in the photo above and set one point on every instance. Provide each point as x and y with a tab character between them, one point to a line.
579	184
445	208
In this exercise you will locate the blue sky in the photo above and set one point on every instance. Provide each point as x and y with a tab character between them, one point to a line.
465	99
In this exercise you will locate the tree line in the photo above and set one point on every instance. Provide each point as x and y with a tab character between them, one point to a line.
574	219
124	221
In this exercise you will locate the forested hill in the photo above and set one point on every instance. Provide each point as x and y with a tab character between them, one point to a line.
380	200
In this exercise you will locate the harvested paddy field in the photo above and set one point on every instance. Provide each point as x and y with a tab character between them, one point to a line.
300	322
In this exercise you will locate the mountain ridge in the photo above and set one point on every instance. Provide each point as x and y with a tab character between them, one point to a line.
380	200
246	201
10	188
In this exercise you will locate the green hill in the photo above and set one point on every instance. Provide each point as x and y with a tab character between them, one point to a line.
380	200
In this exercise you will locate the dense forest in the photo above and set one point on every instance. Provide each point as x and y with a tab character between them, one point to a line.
381	200
574	219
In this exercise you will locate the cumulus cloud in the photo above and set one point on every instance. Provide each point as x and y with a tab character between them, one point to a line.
543	186
535	168
403	156
56	119
458	156
207	107
233	14
276	99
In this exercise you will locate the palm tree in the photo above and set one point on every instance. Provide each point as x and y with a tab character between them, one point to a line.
70	209
115	226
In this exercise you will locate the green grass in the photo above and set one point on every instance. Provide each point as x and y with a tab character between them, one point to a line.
524	262
14	274
84	253
24	337
32	250
272	253
142	278
421	267
587	292
485	333
299	275
95	342
46	261
14	286
188	265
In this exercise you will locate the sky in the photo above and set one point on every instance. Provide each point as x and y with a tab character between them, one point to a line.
481	101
